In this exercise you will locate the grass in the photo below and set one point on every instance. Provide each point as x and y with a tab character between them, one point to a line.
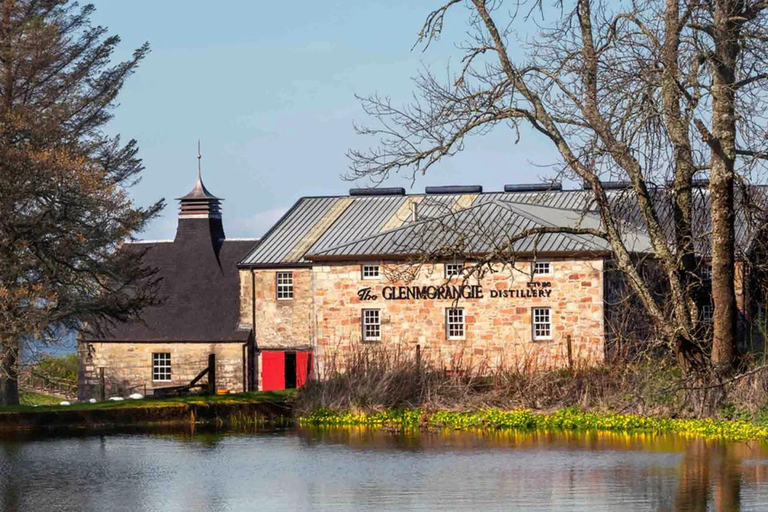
567	419
32	398
234	398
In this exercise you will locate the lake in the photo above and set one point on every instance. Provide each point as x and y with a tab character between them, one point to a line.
362	469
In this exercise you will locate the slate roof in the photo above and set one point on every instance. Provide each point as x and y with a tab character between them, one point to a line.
200	291
341	225
199	287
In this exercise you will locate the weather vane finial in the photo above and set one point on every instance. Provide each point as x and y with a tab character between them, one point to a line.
199	162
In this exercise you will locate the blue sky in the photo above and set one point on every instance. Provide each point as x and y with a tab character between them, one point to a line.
270	89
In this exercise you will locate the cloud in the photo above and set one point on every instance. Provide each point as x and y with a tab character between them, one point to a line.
255	225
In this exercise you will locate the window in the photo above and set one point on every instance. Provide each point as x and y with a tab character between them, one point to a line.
541	268
542	324
454	323
706	272
284	285
453	269
371	325
161	367
706	313
370	272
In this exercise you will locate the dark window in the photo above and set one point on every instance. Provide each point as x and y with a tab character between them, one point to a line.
453	269
454	323
371	321
370	271
542	324
284	285
161	367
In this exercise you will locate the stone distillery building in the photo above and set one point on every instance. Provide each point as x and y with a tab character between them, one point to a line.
378	267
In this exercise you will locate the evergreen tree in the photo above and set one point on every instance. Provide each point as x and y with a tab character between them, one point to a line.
64	211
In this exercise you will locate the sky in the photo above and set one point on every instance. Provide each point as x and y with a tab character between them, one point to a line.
269	88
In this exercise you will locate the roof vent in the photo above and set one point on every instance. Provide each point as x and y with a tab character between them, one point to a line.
533	187
383	191
695	183
455	189
701	183
611	185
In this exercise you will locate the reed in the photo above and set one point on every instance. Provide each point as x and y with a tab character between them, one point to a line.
370	379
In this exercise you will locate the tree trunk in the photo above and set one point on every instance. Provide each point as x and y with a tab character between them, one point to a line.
9	373
721	182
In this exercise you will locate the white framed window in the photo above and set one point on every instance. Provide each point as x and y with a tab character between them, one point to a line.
370	272
371	322
454	269
542	268
161	366
454	323
542	323
284	285
706	272
707	312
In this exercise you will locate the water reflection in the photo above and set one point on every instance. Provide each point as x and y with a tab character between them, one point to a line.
359	468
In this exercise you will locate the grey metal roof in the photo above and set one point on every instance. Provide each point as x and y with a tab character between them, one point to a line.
365	217
317	225
485	228
278	242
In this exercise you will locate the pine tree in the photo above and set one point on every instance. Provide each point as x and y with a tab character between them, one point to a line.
64	209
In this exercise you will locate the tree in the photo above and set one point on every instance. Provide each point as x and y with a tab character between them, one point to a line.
64	211
646	91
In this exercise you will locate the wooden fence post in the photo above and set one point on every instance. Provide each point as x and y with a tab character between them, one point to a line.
212	374
102	385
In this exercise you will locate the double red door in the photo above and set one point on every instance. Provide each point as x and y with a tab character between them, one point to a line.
284	369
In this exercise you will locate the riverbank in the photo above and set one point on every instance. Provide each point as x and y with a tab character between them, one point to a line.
264	407
567	419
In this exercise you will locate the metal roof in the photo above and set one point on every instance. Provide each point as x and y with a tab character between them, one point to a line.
322	225
484	228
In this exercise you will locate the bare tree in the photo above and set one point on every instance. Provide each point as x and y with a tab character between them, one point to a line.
645	91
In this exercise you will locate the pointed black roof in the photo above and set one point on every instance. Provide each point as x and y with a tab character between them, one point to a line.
199	201
200	283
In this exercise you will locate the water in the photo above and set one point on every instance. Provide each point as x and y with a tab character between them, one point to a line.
360	469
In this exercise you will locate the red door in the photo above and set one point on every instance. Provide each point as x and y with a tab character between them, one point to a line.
303	367
272	370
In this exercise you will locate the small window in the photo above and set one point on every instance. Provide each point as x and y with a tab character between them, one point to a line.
454	269
371	325
542	268
370	272
284	285
706	313
542	324
454	323
706	272
161	367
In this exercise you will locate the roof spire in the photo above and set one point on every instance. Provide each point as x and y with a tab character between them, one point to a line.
199	202
199	162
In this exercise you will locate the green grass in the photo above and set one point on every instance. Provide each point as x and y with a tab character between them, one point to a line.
251	397
31	398
563	419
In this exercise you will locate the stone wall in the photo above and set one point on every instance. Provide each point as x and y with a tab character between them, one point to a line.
128	366
498	324
279	323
